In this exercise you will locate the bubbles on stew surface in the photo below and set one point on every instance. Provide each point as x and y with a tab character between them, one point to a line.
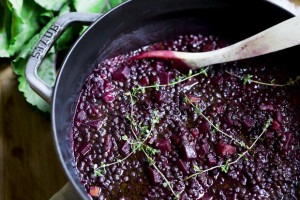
183	138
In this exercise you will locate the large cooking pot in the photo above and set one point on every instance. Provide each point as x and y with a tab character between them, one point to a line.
127	27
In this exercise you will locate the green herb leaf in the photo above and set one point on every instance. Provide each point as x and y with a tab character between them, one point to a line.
124	137
156	85
186	99
177	195
225	167
243	144
272	81
54	5
196	168
247	79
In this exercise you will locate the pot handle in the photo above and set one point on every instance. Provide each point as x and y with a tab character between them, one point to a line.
44	45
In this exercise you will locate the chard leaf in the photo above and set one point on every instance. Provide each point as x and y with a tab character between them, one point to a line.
24	23
92	6
114	3
46	72
5	16
54	5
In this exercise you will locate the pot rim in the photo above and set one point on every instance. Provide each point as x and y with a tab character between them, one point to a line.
82	193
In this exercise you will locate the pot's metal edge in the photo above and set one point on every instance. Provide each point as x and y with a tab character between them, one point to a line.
286	5
82	194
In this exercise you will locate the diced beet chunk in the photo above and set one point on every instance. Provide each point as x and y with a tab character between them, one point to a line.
189	152
227	119
204	127
94	191
160	97
144	81
278	117
108	86
107	143
204	148
154	175
96	124
194	132
193	98
163	145
266	107
269	134
85	148
182	166
217	80
288	138
109	97
275	125
122	73
225	150
125	148
211	160
154	79
165	77
248	122
220	108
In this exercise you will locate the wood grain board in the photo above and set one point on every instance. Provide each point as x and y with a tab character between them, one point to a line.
29	167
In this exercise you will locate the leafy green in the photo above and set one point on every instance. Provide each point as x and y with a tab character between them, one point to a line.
46	71
93	6
19	22
4	29
24	23
55	5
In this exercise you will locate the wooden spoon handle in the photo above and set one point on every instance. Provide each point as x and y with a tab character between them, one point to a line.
278	37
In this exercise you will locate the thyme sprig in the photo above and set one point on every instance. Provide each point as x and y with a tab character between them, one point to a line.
225	167
147	150
216	127
171	83
138	144
248	79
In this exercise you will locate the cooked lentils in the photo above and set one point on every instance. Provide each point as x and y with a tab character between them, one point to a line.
183	138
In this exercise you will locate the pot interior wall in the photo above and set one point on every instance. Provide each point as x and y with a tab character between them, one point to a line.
138	23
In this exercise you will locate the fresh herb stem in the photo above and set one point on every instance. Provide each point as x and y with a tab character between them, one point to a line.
198	111
97	169
228	163
151	161
177	80
247	79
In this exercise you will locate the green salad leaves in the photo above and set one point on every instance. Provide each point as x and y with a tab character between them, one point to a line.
22	22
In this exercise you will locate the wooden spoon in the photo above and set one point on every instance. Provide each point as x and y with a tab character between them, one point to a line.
281	36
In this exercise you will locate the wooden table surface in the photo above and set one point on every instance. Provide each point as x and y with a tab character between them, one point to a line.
29	167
